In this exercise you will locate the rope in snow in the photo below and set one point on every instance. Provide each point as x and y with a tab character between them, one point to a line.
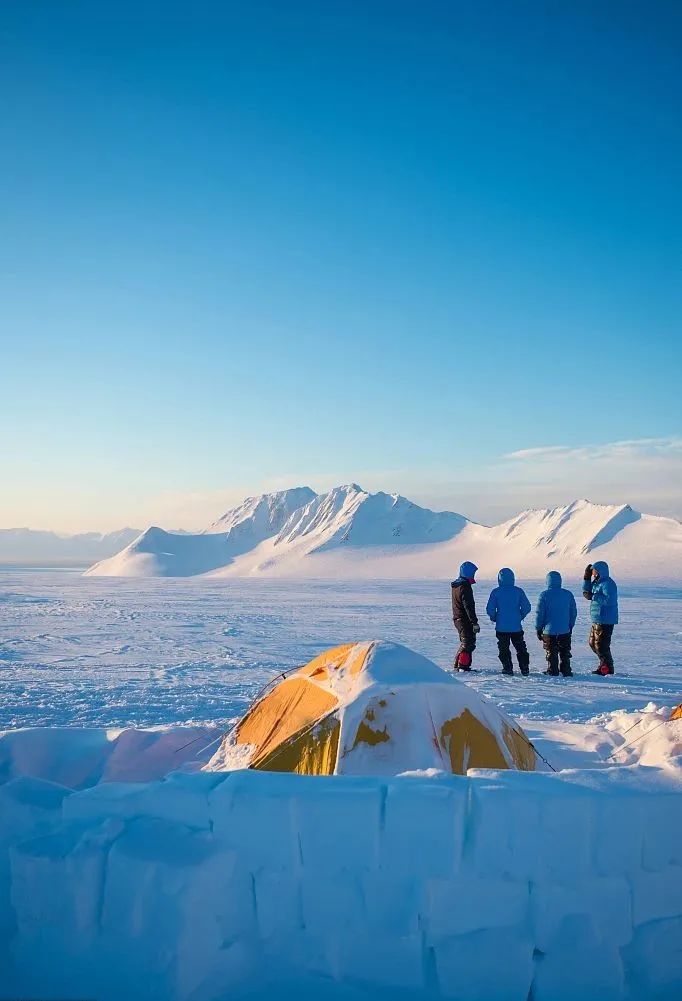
531	744
645	734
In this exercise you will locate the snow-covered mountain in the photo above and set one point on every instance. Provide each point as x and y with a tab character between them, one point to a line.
349	532
27	545
352	517
260	517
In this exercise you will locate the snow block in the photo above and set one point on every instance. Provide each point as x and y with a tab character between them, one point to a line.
93	805
623	853
381	961
173	900
393	901
605	901
493	965
567	832
657	895
329	901
580	963
662	838
338	821
57	884
278	904
252	813
423	826
28	807
653	961
503	828
57	878
468	904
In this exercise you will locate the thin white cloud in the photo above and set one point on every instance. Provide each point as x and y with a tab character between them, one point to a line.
634	448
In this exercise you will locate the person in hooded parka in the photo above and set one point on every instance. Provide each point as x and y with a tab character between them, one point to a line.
554	621
464	615
507	608
602	593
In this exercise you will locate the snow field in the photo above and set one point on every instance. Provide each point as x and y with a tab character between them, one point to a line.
202	886
97	652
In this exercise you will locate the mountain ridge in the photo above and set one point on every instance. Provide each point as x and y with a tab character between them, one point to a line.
31	545
349	532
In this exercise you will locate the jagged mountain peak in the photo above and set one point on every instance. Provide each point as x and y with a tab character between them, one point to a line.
269	510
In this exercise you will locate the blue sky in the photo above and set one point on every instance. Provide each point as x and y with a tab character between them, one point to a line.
247	245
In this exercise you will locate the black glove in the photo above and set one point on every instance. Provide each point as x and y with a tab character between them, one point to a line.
476	628
588	572
540	634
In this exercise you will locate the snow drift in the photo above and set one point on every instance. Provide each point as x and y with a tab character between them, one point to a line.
349	533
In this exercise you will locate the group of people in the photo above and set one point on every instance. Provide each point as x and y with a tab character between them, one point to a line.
555	617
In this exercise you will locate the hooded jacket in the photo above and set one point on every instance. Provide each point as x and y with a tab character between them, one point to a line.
507	605
463	604
603	596
556	612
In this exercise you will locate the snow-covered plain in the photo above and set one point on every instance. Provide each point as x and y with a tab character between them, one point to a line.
87	651
116	881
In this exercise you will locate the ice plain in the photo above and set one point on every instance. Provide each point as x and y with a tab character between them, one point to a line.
106	652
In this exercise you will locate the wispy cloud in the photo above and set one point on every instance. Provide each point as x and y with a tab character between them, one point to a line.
635	448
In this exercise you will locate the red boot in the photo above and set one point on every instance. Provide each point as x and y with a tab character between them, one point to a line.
603	669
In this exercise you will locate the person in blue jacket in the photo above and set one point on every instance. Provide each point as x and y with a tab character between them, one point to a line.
602	593
554	620
507	607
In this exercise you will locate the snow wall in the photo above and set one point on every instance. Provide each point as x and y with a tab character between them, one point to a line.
500	885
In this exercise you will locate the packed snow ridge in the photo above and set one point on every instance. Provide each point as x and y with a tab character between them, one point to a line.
350	533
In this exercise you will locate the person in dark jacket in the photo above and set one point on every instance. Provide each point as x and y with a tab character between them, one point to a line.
602	593
554	621
507	607
464	615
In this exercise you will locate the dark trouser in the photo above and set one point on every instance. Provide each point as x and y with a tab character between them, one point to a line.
467	645
504	653
600	642
558	651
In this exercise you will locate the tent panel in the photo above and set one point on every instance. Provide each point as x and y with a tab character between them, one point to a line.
350	657
522	753
470	744
312	752
319	668
291	707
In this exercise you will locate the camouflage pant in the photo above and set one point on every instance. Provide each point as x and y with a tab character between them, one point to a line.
558	652
600	642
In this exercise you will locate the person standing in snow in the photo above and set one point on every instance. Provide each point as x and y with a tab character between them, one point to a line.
554	620
602	593
464	615
507	608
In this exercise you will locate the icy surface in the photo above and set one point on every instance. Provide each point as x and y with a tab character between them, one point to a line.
98	652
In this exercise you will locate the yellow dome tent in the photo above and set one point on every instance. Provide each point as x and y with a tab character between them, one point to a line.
373	708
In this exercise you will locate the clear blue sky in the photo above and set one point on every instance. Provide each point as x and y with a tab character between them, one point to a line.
254	244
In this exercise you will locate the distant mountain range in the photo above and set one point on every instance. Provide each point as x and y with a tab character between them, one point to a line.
30	546
350	533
